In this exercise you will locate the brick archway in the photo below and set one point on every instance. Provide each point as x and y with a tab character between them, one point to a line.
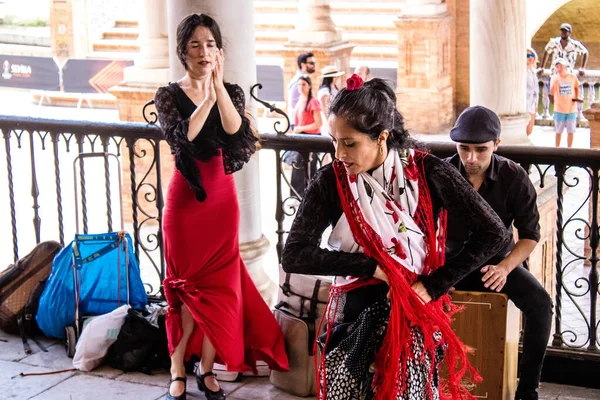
539	11
584	17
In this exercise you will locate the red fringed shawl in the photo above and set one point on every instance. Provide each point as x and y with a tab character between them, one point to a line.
407	308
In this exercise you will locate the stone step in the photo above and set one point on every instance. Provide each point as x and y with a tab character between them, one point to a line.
347	22
337	7
124	23
130	33
360	53
25	50
116	45
371	39
113	55
78	100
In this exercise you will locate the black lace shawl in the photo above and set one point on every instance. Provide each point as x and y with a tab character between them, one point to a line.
174	110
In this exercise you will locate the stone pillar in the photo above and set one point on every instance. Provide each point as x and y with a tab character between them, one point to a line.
424	91
61	29
498	74
151	67
592	114
315	32
149	72
459	54
236	20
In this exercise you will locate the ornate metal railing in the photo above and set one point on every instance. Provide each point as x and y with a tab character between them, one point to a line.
40	159
574	175
590	84
36	202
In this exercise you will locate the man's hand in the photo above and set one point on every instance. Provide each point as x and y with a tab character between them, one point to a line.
494	277
420	289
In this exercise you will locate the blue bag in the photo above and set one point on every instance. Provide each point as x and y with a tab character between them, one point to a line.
96	273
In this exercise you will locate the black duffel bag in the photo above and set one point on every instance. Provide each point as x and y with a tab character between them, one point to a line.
140	345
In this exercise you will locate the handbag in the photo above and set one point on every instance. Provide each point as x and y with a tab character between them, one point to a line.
302	301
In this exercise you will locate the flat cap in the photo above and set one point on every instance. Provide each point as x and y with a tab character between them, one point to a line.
476	124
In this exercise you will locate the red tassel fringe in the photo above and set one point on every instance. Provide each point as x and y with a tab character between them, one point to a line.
407	309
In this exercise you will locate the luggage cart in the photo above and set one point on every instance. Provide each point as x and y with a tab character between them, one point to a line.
106	242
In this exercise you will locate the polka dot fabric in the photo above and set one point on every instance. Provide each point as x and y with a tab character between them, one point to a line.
350	359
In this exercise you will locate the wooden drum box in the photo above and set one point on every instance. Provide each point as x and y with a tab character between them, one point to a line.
490	325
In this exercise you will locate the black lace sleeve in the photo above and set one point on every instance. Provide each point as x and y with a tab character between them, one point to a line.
239	147
320	208
175	122
174	126
488	235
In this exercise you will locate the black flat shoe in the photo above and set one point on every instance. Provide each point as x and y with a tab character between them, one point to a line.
210	395
181	396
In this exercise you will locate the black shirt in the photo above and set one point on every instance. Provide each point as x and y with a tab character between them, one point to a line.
508	189
321	208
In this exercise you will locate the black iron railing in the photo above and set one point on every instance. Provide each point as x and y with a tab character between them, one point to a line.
574	175
41	156
37	204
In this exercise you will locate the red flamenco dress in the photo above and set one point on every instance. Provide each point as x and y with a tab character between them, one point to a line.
201	219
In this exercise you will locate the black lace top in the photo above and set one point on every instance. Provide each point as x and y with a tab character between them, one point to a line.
321	208
174	110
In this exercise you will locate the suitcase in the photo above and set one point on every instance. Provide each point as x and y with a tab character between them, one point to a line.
490	325
302	300
21	286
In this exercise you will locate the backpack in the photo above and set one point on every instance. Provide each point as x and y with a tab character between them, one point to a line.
21	286
302	301
140	345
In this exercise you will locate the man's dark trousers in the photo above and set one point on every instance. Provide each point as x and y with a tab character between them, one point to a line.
534	302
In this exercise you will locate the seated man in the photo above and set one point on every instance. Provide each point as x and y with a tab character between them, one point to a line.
507	188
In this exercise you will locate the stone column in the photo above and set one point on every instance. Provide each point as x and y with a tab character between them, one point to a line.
61	29
315	32
424	91
498	73
592	114
459	54
236	20
149	72
151	67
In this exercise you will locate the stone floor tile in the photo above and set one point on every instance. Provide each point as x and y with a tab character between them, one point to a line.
27	386
88	387
105	371
158	378
552	391
11	346
55	358
261	389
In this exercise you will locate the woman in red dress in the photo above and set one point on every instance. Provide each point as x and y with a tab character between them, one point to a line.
215	310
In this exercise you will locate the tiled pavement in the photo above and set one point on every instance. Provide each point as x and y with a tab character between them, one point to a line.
107	384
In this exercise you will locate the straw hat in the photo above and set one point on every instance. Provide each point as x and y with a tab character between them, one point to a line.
330	71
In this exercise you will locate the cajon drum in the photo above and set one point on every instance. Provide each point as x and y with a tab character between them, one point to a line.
489	324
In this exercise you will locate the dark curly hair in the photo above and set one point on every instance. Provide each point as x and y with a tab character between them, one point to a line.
371	110
186	29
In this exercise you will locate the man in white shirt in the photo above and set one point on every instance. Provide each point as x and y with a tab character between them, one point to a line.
306	66
564	46
364	72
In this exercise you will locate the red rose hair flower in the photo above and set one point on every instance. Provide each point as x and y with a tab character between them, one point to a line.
355	82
